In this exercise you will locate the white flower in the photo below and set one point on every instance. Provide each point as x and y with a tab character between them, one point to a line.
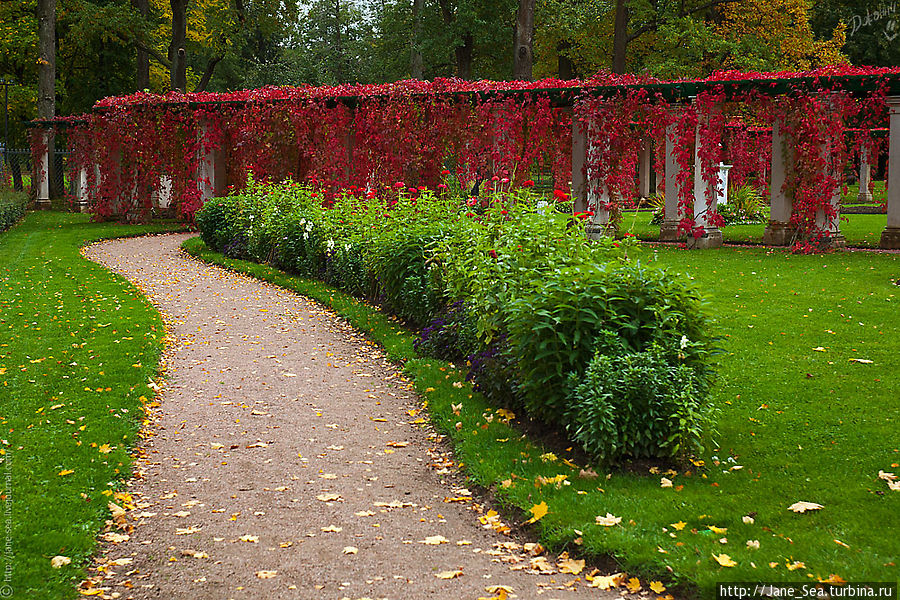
309	225
541	205
330	245
684	342
305	236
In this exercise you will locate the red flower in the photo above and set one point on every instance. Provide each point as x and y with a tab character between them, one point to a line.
493	253
560	196
445	172
399	185
528	183
441	186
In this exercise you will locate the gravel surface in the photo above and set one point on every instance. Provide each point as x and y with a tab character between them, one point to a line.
284	461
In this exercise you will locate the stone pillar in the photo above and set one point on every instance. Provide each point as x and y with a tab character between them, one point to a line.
668	231
42	173
211	176
722	184
162	196
830	226
779	231
645	169
890	237
80	191
586	194
865	177
705	196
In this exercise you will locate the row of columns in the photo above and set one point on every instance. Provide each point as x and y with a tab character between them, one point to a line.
778	231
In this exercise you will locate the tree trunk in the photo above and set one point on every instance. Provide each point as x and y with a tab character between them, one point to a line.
142	75
338	44
416	63
620	37
46	100
565	70
177	54
524	50
464	57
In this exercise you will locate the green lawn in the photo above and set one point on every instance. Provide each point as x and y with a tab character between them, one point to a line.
801	420
804	420
860	230
78	346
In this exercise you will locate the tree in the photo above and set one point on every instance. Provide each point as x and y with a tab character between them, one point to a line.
523	52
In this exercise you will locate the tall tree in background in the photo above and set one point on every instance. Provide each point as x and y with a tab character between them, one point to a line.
46	97
416	60
524	48
177	50
142	70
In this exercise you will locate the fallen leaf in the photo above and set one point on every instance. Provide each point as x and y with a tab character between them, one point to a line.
748	520
328	497
104	449
678	526
542	564
65	472
350	550
570	565
187	530
60	561
718	530
449	574
606	582
434	540
834	580
724	560
802	507
115	538
753	544
332	529
633	585
657	586
538	511
665	482
795	565
864	361
266	574
609	520
398	444
252	539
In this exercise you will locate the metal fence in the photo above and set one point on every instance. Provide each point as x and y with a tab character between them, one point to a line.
16	170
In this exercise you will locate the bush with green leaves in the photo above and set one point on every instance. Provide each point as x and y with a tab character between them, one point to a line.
745	206
637	405
12	207
559	321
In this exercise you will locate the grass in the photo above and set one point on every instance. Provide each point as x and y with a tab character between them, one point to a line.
863	231
78	346
801	420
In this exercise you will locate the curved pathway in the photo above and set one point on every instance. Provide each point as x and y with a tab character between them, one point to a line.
285	461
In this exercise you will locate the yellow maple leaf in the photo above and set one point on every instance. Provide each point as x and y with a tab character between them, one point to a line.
449	574
570	565
606	582
795	565
538	511
104	449
678	526
633	585
657	586
718	530
724	560
65	472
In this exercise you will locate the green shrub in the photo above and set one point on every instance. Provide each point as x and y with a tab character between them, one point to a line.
12	207
556	326
345	268
300	246
745	205
637	405
220	221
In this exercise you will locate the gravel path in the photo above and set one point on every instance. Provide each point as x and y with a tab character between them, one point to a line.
284	461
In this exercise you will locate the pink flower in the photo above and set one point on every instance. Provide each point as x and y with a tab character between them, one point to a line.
441	186
399	185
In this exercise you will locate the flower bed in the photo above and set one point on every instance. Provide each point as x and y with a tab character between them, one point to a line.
510	285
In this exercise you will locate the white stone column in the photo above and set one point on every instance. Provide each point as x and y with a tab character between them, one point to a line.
779	231
587	195
890	237
645	168
42	173
668	231
865	177
705	196
80	189
162	195
829	223
211	170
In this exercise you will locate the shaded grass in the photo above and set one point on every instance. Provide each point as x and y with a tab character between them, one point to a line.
860	230
78	346
796	423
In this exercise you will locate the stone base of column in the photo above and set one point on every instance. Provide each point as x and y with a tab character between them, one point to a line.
711	238
596	231
42	204
668	232
890	238
864	198
778	234
82	207
834	241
